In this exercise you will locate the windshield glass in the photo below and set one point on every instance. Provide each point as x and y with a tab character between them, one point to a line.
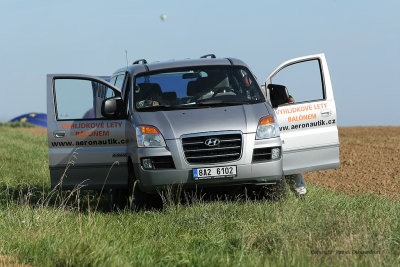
196	88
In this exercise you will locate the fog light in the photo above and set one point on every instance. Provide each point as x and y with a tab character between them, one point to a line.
275	153
147	163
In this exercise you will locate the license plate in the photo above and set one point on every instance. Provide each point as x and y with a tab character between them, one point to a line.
214	172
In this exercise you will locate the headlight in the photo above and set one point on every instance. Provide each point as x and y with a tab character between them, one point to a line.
149	136
267	128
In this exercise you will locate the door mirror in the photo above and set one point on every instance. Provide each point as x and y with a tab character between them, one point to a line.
278	94
111	106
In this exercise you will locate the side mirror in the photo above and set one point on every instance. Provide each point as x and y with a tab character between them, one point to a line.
111	106
278	94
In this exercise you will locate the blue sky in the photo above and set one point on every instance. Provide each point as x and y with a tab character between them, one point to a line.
361	40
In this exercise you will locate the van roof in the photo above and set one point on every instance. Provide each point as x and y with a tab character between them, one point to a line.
143	66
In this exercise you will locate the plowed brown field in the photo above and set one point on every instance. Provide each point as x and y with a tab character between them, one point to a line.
369	162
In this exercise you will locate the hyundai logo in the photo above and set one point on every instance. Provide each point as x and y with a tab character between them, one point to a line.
212	142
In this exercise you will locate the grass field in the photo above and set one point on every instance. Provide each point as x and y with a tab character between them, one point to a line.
326	228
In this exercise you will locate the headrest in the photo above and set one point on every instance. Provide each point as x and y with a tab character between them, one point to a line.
149	89
278	94
192	88
204	84
156	89
169	96
217	79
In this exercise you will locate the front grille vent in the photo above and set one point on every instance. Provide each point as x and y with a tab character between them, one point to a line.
262	154
228	148
161	162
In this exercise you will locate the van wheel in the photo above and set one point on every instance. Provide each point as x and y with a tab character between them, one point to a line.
138	199
117	198
278	190
120	198
134	196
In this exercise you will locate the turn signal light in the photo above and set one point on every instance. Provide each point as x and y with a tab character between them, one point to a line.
266	120
149	130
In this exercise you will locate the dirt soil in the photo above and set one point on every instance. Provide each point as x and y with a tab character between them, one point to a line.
369	162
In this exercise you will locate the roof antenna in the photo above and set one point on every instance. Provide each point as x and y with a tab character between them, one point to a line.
126	56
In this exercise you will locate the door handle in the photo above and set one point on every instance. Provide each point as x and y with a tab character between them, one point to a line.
325	112
59	134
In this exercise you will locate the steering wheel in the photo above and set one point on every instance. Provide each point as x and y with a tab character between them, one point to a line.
220	89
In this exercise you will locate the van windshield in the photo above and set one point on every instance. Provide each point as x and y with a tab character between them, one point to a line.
197	87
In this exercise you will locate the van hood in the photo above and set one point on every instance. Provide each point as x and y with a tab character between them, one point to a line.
175	123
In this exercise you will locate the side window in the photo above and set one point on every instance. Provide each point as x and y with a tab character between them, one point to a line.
80	99
113	79
303	80
110	93
120	81
129	107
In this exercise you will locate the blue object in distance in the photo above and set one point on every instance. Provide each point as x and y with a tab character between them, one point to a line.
38	119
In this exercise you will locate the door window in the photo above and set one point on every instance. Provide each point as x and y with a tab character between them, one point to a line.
80	98
113	79
303	80
120	81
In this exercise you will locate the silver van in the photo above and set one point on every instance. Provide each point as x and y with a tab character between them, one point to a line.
199	123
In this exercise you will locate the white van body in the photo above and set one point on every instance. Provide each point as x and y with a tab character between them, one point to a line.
91	148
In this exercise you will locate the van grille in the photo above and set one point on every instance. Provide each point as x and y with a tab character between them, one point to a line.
196	151
164	162
262	154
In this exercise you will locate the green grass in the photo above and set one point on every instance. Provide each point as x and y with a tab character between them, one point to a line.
325	228
23	157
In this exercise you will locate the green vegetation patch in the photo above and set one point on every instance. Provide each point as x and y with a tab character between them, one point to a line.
16	125
325	228
23	158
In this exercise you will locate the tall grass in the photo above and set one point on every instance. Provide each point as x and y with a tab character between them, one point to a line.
325	228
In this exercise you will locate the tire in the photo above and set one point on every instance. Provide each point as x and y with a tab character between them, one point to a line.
278	190
120	198
136	199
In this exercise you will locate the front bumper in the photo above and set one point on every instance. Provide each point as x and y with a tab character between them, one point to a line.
248	172
265	172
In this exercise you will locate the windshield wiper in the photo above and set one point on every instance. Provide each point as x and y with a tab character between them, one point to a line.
168	107
221	103
210	103
159	107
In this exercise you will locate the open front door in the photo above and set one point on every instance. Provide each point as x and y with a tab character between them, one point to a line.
308	125
84	145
